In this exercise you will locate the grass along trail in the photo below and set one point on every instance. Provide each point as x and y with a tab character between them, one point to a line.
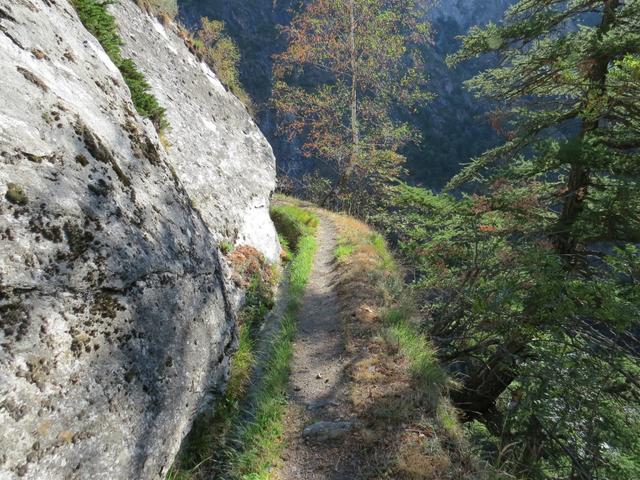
339	383
319	419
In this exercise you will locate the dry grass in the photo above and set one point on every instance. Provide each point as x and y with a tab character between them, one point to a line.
247	263
411	430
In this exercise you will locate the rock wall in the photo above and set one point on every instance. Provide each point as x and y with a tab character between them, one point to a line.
115	316
218	152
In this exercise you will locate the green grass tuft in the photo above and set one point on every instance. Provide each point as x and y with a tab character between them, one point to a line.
211	429
258	443
293	223
431	378
102	25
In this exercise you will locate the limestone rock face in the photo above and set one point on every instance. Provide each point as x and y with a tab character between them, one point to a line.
221	157
116	323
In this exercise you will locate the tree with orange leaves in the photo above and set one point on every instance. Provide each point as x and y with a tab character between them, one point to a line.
351	69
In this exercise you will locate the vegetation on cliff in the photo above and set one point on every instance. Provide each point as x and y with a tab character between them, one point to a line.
95	17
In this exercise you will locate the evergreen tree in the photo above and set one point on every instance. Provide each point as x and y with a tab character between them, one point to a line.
570	83
531	287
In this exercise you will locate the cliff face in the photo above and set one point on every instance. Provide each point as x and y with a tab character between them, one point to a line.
255	26
221	157
454	125
116	316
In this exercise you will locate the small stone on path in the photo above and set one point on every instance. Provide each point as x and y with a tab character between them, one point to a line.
323	430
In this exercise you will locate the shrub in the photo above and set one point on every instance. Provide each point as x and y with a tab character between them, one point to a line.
101	24
221	53
167	8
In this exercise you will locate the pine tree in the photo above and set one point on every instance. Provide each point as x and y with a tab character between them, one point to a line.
569	81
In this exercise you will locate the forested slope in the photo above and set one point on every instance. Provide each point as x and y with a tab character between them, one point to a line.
454	121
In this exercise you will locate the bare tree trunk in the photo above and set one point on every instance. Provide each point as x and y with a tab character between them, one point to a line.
355	128
579	175
355	132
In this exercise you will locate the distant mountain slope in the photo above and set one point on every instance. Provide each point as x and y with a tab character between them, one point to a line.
453	125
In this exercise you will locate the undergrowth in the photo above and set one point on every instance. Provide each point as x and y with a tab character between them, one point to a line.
258	443
102	25
200	452
220	52
223	443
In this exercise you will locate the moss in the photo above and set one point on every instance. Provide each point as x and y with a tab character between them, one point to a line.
100	188
53	233
130	375
37	371
98	151
39	54
33	79
69	56
106	306
82	160
93	144
141	147
79	240
14	320
226	247
15	194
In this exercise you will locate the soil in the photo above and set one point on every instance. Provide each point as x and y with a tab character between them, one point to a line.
319	387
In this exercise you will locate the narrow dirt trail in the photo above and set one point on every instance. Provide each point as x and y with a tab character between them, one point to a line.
318	389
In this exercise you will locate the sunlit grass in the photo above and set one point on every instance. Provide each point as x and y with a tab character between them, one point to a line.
257	444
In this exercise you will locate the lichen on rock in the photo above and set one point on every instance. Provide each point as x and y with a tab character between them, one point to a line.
117	314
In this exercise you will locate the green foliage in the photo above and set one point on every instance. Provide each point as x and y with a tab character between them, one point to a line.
102	25
431	379
221	53
535	283
557	343
161	7
258	442
343	250
350	68
226	247
571	107
15	194
223	442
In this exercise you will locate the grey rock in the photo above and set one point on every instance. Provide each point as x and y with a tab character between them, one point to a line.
324	430
116	316
221	157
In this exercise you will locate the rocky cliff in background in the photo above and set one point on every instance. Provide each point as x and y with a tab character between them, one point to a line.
453	125
116	317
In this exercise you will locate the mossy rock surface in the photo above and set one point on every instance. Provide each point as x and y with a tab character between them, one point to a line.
16	195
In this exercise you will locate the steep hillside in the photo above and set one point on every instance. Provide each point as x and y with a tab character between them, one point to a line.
454	125
117	312
448	124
